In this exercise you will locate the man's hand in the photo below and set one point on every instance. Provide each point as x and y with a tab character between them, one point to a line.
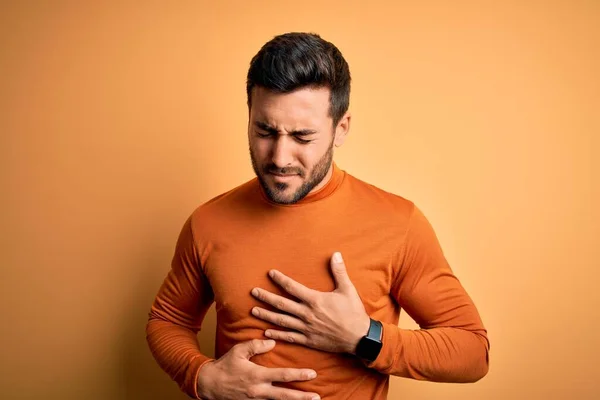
330	321
234	376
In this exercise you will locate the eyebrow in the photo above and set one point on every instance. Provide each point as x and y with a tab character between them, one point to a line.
272	130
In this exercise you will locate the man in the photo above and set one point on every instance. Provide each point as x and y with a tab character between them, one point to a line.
309	266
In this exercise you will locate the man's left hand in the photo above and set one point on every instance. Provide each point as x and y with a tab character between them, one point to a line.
330	321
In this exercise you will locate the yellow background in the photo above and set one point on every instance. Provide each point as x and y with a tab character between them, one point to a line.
118	119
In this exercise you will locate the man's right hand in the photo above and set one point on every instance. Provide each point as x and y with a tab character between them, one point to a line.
235	377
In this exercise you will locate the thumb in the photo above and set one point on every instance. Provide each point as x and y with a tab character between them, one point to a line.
253	347
338	269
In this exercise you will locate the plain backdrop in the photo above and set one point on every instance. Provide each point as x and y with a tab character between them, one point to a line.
117	119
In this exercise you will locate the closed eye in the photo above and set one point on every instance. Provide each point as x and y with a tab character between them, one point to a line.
300	140
297	138
264	134
264	130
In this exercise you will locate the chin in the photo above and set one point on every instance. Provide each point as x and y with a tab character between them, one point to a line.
284	197
277	195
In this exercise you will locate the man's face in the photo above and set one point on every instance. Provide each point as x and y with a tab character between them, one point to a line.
291	138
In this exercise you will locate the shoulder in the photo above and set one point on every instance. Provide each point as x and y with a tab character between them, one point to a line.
367	195
398	211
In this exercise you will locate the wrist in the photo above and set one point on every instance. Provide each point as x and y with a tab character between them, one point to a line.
204	381
362	328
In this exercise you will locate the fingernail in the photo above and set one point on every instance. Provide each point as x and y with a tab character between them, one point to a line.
272	273
267	334
312	375
254	311
316	398
337	257
255	292
269	342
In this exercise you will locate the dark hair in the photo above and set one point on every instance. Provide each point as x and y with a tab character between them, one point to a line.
295	60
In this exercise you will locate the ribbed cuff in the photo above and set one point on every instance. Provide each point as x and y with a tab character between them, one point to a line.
191	384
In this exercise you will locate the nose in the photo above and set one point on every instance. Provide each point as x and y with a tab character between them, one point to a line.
282	152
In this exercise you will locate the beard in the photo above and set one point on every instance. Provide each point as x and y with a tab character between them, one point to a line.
276	192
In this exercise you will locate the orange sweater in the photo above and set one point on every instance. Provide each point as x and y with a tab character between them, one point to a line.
393	257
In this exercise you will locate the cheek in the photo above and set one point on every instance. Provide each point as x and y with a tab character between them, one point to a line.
311	156
259	148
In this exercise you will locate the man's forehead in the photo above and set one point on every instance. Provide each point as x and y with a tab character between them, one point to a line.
306	97
300	107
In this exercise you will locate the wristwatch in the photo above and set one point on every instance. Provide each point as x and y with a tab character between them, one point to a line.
369	346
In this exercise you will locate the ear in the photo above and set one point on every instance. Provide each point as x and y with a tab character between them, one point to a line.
342	129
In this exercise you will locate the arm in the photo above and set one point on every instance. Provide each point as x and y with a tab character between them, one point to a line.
452	344
175	319
177	314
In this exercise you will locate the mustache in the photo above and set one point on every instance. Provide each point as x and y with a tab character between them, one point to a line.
273	169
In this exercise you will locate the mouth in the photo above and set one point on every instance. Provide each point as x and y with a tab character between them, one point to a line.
276	174
282	177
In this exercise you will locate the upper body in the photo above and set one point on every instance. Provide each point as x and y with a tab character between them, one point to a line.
392	256
262	253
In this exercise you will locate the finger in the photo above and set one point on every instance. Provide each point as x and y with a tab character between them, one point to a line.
280	302
285	321
340	274
277	393
294	288
253	347
286	336
287	374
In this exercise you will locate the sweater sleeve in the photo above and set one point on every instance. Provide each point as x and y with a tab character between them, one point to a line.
177	313
452	344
